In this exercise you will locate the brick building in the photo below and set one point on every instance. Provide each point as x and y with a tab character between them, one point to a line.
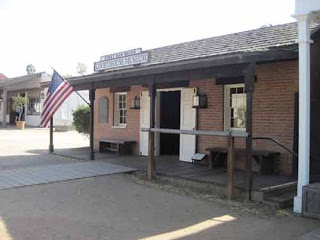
216	68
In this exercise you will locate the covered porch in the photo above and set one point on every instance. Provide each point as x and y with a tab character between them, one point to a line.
274	189
209	74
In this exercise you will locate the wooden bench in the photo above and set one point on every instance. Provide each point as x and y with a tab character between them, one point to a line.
121	146
264	158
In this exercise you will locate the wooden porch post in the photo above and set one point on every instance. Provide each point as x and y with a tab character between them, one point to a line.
249	87
151	163
92	95
230	167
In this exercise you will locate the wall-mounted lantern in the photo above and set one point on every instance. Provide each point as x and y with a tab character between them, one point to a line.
135	103
42	95
200	101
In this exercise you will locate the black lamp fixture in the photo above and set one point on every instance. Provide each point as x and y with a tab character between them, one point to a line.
135	103
42	95
200	101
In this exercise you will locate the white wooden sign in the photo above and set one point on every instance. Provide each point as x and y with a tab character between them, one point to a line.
122	59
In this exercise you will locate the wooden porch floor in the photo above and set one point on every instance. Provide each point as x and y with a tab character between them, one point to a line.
171	166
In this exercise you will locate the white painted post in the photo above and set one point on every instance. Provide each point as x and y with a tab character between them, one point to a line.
304	107
4	109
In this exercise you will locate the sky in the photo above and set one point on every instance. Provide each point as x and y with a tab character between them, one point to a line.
61	33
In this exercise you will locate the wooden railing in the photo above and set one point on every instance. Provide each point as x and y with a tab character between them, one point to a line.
231	135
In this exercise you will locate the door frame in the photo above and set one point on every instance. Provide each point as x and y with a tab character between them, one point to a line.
157	114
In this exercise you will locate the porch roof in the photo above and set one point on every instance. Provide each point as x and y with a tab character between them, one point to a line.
272	43
13	83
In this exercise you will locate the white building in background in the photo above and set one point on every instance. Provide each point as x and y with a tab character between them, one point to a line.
64	114
305	12
29	86
26	86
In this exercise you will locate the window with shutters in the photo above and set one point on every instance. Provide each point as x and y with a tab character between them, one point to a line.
120	109
103	110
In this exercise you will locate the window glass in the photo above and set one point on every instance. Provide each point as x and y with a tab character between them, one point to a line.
120	109
34	103
235	107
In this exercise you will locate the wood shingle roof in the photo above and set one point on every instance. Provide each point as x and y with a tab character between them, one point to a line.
258	40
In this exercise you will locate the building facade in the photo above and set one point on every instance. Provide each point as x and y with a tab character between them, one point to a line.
217	69
29	86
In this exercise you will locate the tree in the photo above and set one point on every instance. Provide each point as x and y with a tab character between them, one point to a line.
31	69
66	76
18	104
81	68
81	119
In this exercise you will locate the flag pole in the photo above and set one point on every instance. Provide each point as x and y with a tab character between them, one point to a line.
74	90
51	136
81	97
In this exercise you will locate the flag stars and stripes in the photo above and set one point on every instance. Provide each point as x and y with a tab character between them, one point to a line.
59	90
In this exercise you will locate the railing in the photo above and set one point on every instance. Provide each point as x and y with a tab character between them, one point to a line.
231	135
231	147
278	143
239	134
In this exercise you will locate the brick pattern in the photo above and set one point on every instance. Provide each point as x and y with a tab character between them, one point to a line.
273	112
107	130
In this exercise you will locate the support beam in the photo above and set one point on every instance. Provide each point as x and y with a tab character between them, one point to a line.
238	134
51	148
230	194
151	163
304	107
92	95
249	88
4	109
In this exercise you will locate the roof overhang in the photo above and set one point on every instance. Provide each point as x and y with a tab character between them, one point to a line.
31	81
230	65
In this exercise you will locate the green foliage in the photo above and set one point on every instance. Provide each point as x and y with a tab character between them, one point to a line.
81	68
81	119
30	69
18	103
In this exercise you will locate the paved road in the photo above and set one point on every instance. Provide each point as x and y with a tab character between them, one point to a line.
30	147
115	207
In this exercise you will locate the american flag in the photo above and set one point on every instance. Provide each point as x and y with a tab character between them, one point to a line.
59	90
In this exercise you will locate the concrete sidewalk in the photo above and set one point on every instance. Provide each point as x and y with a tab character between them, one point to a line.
29	147
27	176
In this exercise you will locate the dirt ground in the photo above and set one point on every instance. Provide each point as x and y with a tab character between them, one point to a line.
115	207
119	206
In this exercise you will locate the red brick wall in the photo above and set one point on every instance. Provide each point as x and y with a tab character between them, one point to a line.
107	130
273	111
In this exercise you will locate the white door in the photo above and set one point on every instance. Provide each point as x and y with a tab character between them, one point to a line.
187	122
145	123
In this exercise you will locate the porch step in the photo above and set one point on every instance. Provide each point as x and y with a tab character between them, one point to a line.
279	189
281	201
280	196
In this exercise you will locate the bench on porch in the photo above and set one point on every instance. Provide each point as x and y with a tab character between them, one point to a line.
121	146
264	158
